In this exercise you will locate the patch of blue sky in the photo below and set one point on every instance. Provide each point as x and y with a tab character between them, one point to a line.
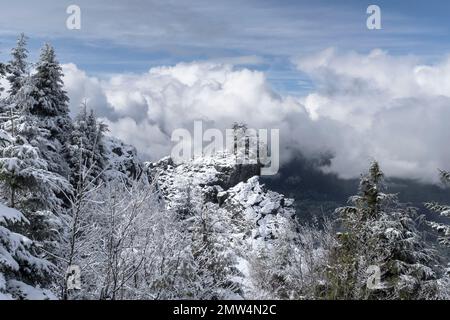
133	36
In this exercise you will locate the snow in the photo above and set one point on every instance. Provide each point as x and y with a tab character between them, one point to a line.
208	174
122	159
6	296
247	215
446	213
27	292
9	215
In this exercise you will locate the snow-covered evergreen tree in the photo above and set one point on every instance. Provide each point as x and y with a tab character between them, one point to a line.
23	275
18	66
16	71
51	109
22	165
216	262
210	231
27	184
379	233
246	144
239	137
2	99
443	210
2	74
85	150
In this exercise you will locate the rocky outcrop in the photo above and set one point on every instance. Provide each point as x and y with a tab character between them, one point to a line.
259	206
221	170
219	180
123	160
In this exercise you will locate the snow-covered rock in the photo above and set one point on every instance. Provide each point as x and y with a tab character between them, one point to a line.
220	180
261	207
122	159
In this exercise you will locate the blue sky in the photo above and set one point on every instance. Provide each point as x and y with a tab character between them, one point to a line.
132	36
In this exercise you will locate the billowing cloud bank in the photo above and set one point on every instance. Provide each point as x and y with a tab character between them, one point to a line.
398	110
364	106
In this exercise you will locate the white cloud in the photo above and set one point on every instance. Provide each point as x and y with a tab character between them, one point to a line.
397	108
83	88
364	106
147	138
144	109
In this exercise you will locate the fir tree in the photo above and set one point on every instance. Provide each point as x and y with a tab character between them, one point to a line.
16	71
23	275
2	74
210	239
22	165
381	233
18	66
216	264
443	210
239	137
27	183
85	151
51	109
3	70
